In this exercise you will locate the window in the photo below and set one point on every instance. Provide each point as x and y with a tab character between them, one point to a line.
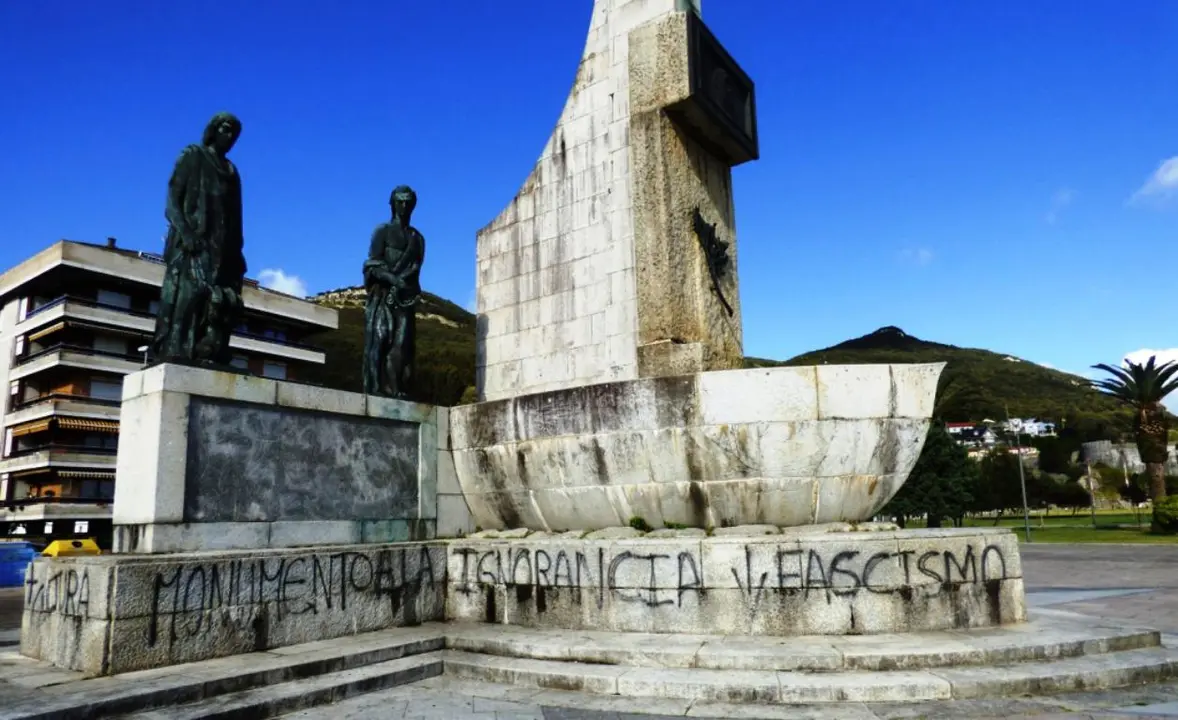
110	344
241	362
106	390
114	299
81	526
22	309
153	307
7	443
48	525
274	370
19	347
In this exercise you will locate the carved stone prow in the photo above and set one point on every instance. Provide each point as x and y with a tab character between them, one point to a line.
693	118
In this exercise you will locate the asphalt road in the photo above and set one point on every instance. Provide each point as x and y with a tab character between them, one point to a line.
1152	568
11	602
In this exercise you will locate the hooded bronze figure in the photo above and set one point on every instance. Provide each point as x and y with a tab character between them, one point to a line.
200	303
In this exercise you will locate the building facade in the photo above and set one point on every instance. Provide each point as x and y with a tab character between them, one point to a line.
74	319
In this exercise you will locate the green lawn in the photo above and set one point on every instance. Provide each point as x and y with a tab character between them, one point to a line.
1111	527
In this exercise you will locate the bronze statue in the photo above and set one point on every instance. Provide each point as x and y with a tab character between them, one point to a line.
200	303
391	279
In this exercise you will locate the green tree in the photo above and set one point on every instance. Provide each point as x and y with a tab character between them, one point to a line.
1143	388
1055	453
1000	488
941	485
1063	492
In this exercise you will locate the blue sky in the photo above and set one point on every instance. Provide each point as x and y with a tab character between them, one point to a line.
978	173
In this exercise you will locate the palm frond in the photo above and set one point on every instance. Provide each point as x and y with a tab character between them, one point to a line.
1139	384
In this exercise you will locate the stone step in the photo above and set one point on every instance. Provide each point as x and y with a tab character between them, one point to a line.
1086	672
166	687
275	700
1045	637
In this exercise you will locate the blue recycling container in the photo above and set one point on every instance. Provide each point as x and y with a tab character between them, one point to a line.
14	559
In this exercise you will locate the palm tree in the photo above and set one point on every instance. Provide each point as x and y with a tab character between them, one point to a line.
1143	387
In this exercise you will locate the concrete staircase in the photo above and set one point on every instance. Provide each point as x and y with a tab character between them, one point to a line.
1048	655
249	687
1056	652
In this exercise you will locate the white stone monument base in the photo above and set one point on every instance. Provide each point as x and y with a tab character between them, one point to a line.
804	582
785	446
112	614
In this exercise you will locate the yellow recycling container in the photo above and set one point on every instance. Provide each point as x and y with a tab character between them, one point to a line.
62	548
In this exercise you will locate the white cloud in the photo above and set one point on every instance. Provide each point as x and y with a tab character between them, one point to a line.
1060	200
1162	184
918	256
277	279
1143	355
1163	356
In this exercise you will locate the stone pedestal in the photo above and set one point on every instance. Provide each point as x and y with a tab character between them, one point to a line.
807	582
214	460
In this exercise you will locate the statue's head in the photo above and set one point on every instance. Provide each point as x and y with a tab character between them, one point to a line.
403	200
222	132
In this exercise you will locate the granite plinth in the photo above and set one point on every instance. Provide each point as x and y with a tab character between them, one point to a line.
785	446
796	583
118	613
212	460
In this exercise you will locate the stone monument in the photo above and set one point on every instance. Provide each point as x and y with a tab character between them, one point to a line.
614	398
200	302
393	289
610	348
623	476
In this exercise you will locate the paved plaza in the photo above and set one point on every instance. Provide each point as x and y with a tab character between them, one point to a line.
1131	584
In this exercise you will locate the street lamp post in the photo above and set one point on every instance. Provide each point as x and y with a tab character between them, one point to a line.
1022	478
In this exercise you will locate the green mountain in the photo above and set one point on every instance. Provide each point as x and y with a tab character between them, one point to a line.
445	347
977	384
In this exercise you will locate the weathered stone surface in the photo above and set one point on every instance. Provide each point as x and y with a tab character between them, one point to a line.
299	466
747	531
776	585
718	449
614	533
117	613
676	533
213	460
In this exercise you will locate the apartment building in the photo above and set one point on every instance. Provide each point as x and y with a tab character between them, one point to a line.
74	319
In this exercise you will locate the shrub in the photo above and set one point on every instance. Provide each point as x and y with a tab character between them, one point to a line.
640	524
1165	516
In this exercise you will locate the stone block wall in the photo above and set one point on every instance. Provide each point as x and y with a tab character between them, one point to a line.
118	613
556	269
803	583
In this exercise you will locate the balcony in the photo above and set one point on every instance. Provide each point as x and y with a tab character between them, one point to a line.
60	457
54	314
62	405
71	311
75	356
67	509
251	343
